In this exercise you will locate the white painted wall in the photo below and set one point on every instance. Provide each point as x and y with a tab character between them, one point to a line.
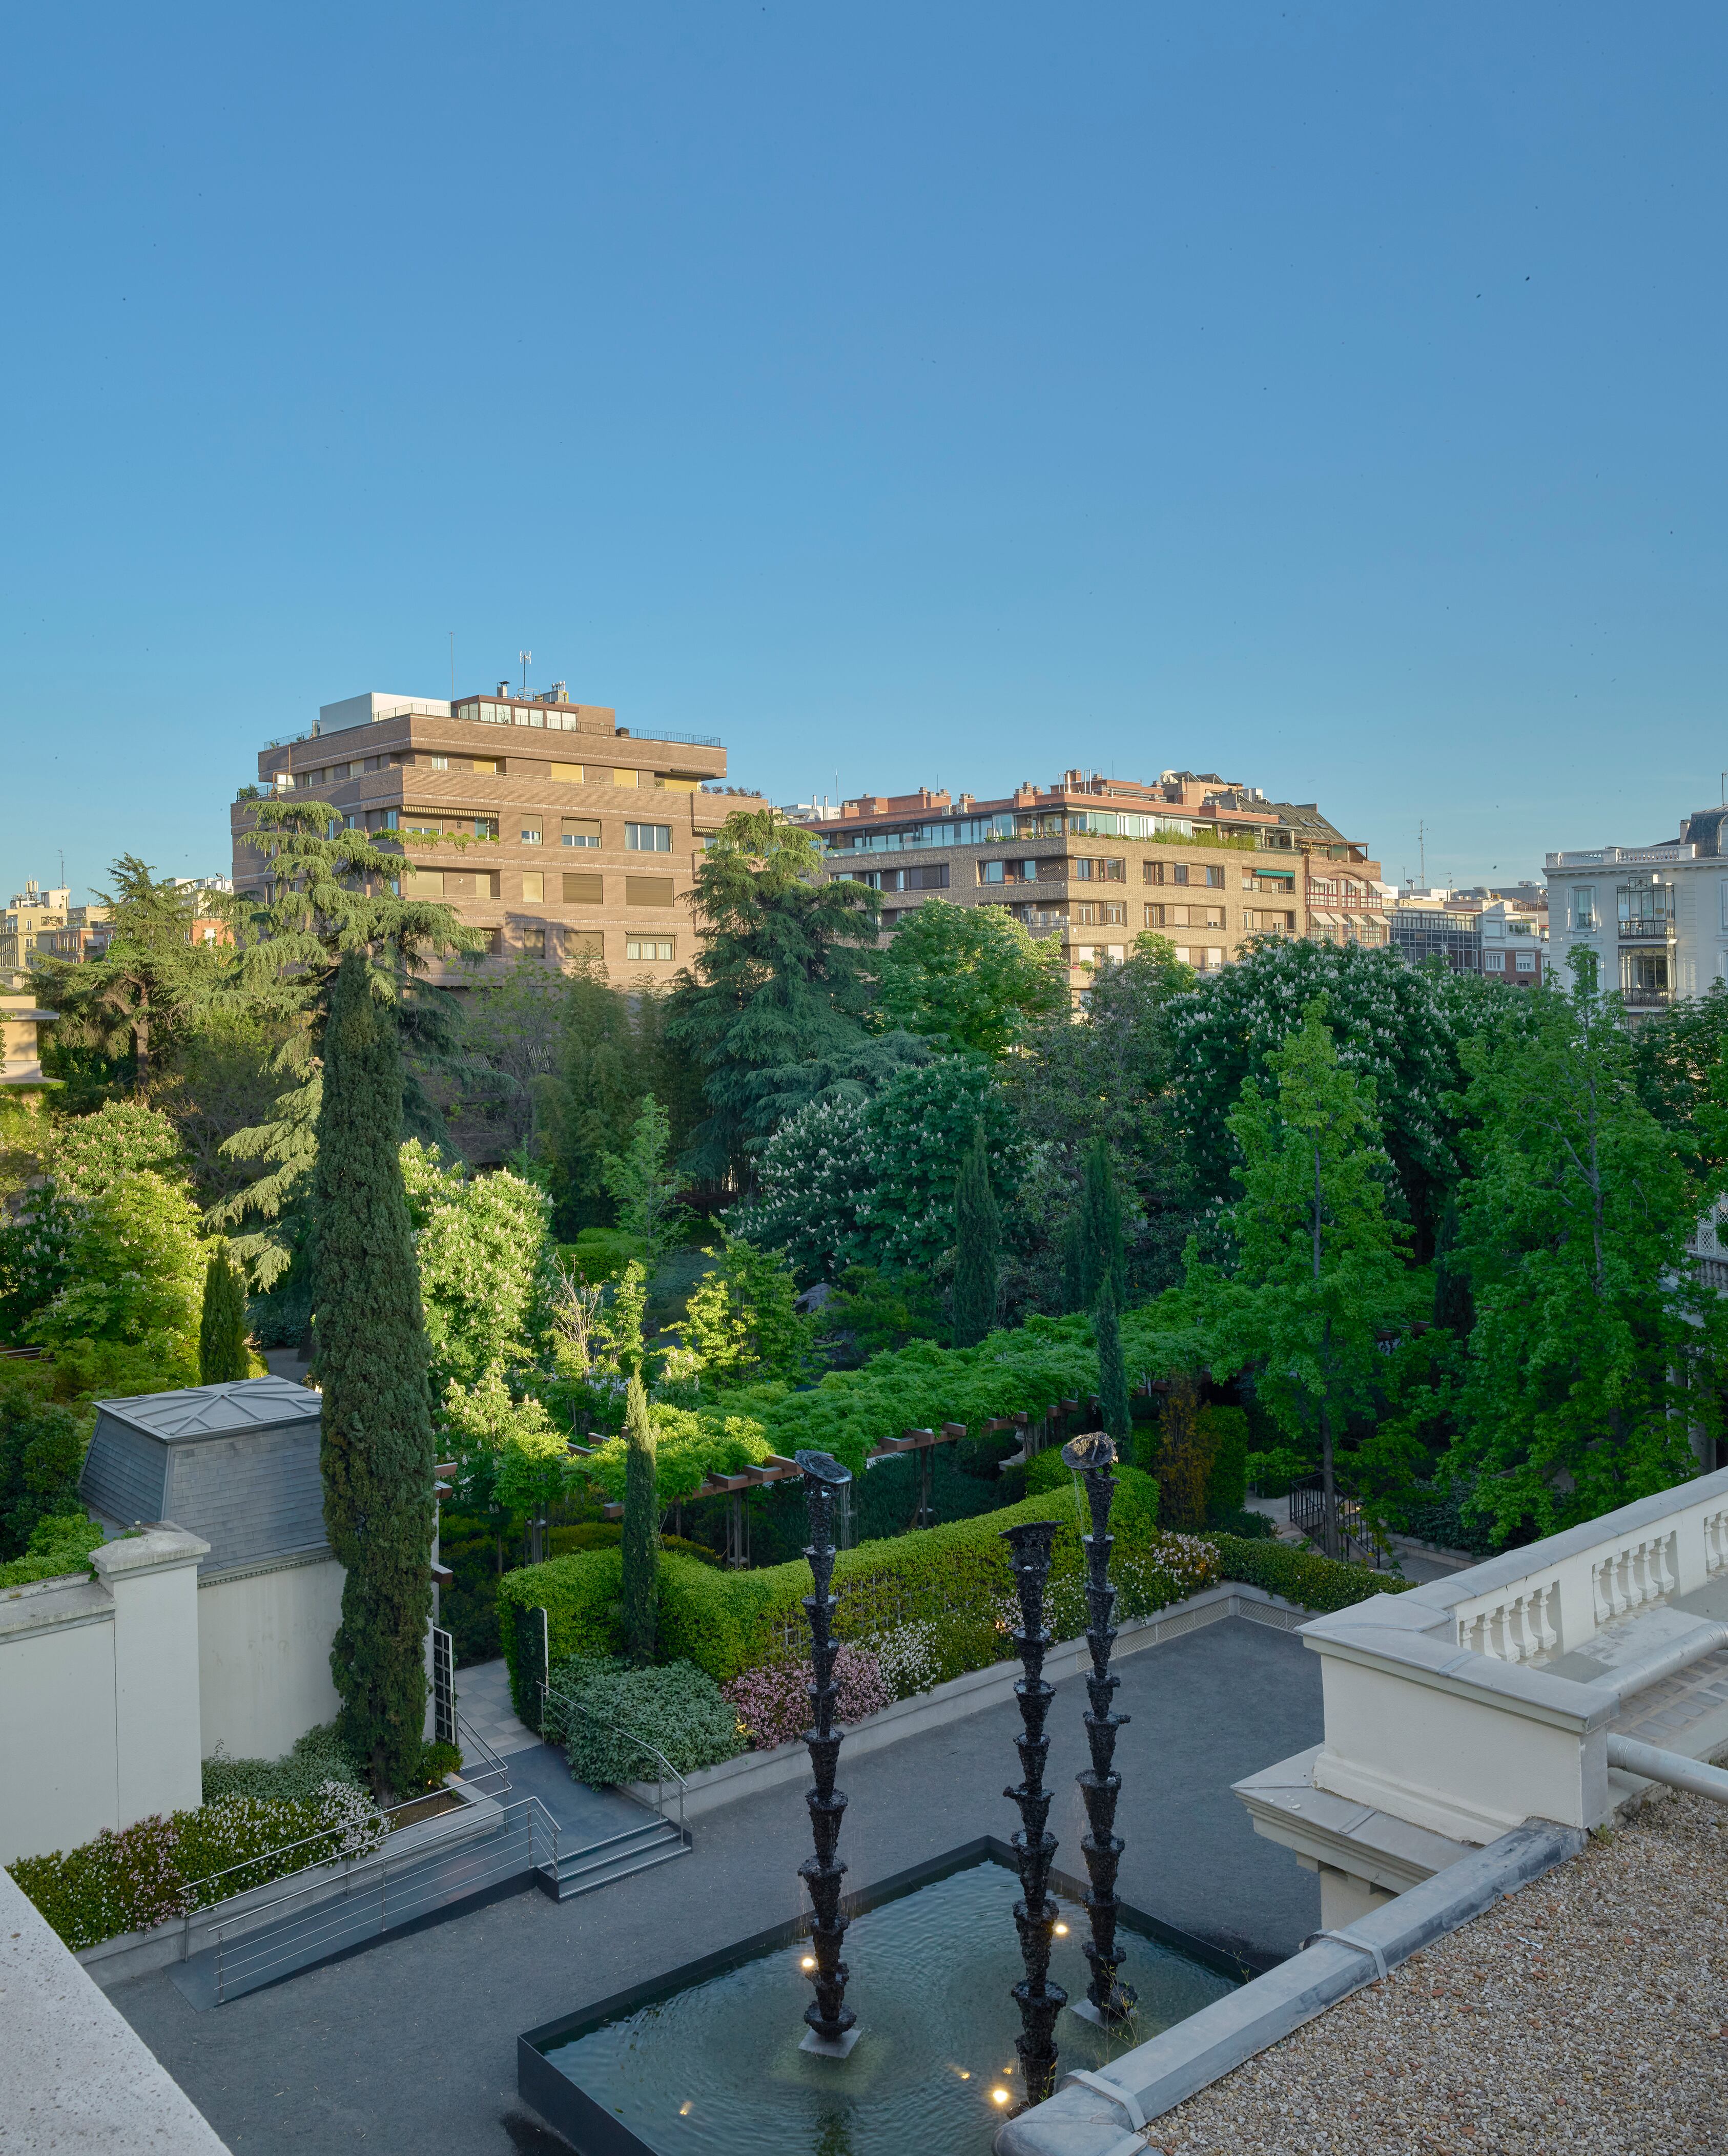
263	1654
97	1704
58	1784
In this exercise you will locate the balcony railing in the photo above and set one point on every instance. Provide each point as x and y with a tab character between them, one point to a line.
1609	857
1661	929
1645	998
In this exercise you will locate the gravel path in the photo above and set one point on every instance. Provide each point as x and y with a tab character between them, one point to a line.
1588	2013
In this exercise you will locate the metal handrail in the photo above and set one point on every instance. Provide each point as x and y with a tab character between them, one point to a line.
284	1849
491	1766
529	1810
568	1699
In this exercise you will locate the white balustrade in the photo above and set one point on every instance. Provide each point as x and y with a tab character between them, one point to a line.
1633	1577
1519	1626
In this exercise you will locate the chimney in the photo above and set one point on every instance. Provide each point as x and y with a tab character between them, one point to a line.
502	688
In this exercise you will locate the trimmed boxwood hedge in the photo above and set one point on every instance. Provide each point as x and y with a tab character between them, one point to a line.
727	1622
1319	1583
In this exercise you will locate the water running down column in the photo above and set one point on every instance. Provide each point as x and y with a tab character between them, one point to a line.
832	2024
1039	2000
1106	1998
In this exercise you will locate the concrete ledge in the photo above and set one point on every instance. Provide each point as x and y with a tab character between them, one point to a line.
74	2075
1380	1848
136	1953
754	1771
1082	2120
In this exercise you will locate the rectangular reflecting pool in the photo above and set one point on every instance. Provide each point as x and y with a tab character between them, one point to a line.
705	2061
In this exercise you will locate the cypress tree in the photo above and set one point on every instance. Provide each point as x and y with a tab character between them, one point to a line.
376	1453
978	1237
642	1523
223	1353
1095	1250
1113	1371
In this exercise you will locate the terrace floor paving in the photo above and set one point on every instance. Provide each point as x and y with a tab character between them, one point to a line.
411	2044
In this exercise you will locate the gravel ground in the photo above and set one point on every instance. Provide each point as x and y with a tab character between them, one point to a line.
1589	2012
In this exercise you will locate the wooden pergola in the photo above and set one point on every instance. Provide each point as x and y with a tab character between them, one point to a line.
777	1468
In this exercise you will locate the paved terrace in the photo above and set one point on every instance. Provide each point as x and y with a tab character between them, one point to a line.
411	2044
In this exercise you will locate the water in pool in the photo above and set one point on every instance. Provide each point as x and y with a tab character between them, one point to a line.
714	2069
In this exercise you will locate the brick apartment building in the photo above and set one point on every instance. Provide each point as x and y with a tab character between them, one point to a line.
582	838
1207	862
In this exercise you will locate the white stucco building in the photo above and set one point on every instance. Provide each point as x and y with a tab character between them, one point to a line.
1656	916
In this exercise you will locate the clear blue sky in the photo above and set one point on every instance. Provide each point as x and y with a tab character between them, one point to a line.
1330	395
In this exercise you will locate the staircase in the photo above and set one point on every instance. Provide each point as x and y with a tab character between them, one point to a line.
575	1872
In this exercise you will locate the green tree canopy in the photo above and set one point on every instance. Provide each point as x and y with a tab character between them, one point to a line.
645	1187
741	1321
134	1273
1396	1025
1319	1270
484	1251
152	981
1594	1347
223	1356
971	977
329	893
783	975
874	1183
978	1235
1106	1072
88	1154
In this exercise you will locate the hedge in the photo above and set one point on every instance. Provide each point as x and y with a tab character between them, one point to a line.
954	1577
957	1575
1319	1583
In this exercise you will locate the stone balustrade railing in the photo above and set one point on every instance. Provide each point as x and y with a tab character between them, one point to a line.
1445	1708
1591	1576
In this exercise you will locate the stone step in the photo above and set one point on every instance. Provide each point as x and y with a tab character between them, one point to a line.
580	1871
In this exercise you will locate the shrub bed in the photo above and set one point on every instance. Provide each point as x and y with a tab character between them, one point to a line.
598	1710
773	1704
60	1545
954	1579
300	1776
1319	1583
159	1868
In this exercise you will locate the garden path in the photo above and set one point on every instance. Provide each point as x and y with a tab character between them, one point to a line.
483	1702
411	2044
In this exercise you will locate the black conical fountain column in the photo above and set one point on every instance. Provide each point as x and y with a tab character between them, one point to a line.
832	2024
1108	1999
1039	2000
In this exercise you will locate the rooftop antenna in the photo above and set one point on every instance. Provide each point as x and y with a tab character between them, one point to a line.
1421	841
525	656
453	665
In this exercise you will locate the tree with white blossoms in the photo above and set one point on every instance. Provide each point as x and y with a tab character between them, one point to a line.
487	1275
1396	1025
843	1184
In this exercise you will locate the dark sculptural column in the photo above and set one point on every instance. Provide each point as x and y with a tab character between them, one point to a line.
1039	2000
832	2022
1108	1999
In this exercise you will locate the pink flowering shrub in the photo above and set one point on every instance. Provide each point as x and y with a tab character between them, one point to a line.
774	1706
159	1869
118	1883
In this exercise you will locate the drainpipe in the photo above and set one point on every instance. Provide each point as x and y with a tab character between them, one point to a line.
1672	1768
1681	1653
